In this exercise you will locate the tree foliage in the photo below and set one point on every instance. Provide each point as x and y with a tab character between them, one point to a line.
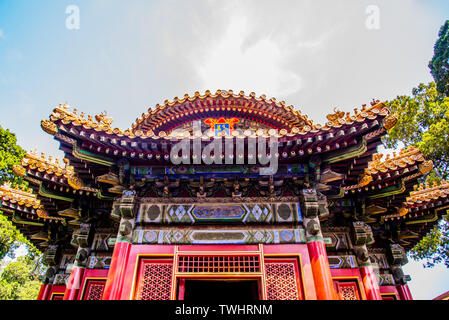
439	65
434	247
19	279
424	123
10	238
10	154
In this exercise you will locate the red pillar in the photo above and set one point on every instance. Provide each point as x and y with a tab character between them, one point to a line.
44	292
74	284
322	277
404	292
372	289
116	274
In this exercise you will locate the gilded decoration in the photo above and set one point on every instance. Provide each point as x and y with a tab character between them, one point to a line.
293	121
49	127
406	157
75	182
426	193
378	165
43	164
20	196
23	197
19	170
365	180
426	166
390	121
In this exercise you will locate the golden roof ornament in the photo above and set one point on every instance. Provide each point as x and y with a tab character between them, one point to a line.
75	182
402	211
426	166
365	179
19	170
49	127
390	121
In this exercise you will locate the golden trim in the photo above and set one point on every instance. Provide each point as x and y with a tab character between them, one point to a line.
85	284
386	294
56	294
138	259
300	266
359	283
218	276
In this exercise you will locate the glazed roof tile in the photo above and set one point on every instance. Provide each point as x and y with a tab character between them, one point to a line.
297	123
406	158
426	193
23	197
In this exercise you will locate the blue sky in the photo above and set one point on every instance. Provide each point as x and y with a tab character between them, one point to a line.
127	57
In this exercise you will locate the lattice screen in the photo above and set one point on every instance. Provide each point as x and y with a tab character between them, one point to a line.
218	264
347	290
281	280
94	290
155	280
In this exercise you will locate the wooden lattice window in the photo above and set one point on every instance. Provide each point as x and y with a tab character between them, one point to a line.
218	264
155	280
347	289
282	279
94	289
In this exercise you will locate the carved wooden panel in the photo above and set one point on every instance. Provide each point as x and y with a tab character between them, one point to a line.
219	264
347	289
282	279
155	279
94	289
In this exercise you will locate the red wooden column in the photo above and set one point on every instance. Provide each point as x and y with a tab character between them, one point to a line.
116	274
321	271
370	283
74	283
322	277
44	292
363	236
404	292
119	262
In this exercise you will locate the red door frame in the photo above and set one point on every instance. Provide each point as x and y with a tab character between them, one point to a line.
137	252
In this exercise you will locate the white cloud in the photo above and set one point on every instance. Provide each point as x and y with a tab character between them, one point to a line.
232	62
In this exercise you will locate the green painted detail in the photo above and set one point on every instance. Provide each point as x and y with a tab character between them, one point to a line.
366	264
327	240
298	169
218	236
312	239
124	239
427	218
340	194
354	151
17	219
390	191
50	194
91	157
102	197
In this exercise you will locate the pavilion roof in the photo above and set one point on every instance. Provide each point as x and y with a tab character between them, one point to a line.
291	122
18	195
22	198
424	194
403	164
47	169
